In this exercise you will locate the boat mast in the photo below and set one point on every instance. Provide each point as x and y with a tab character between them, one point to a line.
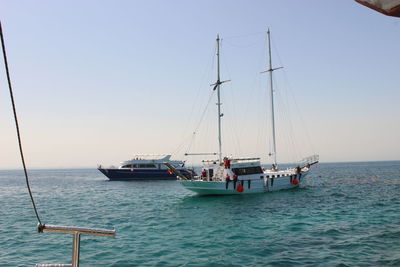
217	87
219	103
270	70
272	99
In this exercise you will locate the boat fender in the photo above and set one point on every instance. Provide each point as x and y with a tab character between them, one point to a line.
248	183
227	180
132	170
272	181
295	181
291	178
169	171
240	188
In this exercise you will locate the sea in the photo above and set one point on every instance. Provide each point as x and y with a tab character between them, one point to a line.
344	214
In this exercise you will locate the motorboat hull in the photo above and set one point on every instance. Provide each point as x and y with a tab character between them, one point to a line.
137	174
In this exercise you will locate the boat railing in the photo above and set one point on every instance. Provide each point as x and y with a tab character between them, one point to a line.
244	159
210	161
280	171
151	157
310	160
77	232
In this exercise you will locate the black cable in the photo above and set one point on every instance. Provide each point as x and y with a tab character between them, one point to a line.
16	125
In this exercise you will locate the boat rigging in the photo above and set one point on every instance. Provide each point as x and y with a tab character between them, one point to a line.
230	175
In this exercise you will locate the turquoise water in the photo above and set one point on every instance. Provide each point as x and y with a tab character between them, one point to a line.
346	214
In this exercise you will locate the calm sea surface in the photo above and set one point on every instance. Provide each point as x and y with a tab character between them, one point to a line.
346	214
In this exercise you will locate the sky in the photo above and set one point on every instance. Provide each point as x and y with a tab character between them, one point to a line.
97	82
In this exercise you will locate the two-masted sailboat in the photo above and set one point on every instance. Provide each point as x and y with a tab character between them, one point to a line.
229	175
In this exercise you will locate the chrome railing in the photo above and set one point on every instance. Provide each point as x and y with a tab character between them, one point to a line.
310	160
77	232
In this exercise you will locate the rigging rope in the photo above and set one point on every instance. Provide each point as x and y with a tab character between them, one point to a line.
195	100
298	112
16	125
233	126
204	111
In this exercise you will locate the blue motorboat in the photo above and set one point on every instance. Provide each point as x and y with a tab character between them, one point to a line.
146	167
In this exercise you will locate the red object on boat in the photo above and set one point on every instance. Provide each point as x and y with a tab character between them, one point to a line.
387	7
240	188
295	181
227	163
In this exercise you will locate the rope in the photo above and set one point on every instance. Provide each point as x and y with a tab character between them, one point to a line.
16	125
298	112
233	125
184	137
204	111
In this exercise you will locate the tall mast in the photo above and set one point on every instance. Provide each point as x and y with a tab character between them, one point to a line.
270	70
219	104
217	87
272	100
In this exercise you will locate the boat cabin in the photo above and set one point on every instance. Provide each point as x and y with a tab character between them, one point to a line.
231	168
150	162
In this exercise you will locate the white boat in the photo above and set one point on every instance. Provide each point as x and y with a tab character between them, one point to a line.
227	176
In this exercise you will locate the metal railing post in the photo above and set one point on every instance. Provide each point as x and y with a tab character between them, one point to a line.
76	249
77	232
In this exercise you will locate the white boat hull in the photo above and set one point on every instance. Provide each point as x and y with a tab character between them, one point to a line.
256	186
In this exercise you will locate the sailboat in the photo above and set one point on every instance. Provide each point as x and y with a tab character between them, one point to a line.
231	175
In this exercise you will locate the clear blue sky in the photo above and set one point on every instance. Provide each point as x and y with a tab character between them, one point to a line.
100	81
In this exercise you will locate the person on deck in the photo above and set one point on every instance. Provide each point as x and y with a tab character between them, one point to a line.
274	168
298	171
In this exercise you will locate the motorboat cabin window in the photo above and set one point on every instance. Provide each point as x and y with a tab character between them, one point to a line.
127	166
147	166
247	170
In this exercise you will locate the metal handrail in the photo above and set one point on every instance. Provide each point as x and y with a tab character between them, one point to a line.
310	160
77	232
